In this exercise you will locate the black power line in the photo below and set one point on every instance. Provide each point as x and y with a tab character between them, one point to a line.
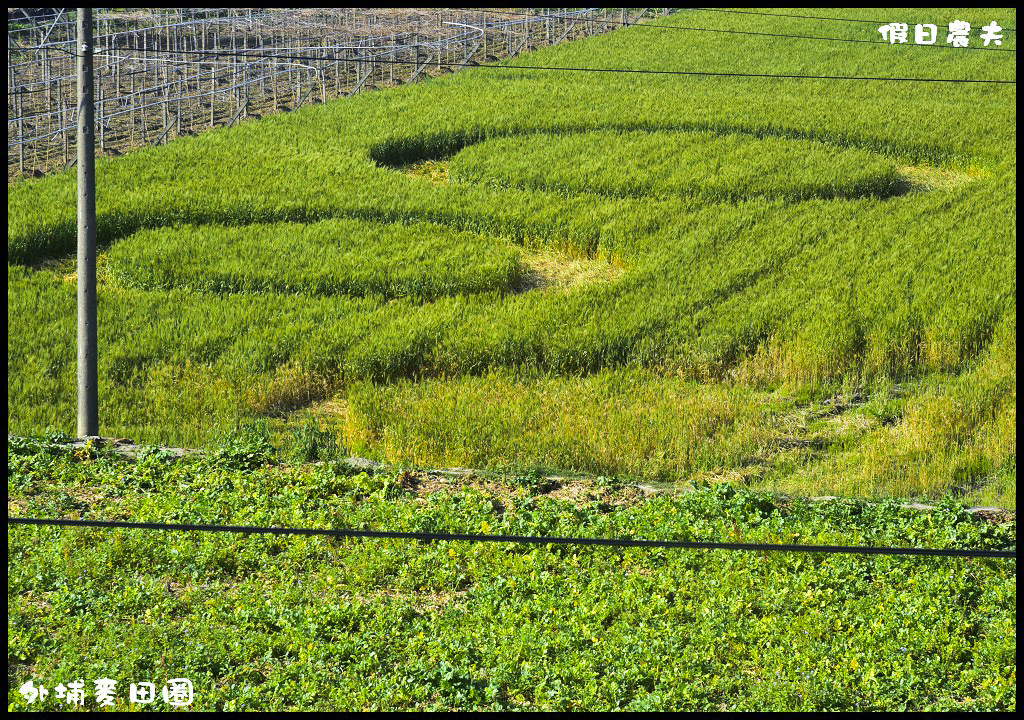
810	17
626	71
524	539
752	32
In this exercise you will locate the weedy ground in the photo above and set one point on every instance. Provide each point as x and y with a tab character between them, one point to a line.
262	622
798	286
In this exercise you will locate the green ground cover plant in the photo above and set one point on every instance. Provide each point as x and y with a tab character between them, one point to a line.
263	622
731	285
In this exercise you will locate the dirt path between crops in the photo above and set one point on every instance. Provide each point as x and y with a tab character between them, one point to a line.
578	489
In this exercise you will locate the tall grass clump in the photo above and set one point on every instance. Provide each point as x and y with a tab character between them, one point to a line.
332	257
630	423
708	166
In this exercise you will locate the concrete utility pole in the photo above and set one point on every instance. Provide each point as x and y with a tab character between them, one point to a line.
88	373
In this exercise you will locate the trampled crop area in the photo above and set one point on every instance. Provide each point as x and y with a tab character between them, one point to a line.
800	286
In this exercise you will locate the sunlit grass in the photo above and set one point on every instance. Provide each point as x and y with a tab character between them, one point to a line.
721	240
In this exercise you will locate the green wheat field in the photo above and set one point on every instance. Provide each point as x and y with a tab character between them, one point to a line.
761	290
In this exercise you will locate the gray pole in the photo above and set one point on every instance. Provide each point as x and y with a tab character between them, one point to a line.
88	375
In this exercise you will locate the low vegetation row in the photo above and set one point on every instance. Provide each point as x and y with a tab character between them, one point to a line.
261	622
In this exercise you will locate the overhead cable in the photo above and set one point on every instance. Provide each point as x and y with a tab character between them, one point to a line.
809	17
649	26
633	71
522	539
